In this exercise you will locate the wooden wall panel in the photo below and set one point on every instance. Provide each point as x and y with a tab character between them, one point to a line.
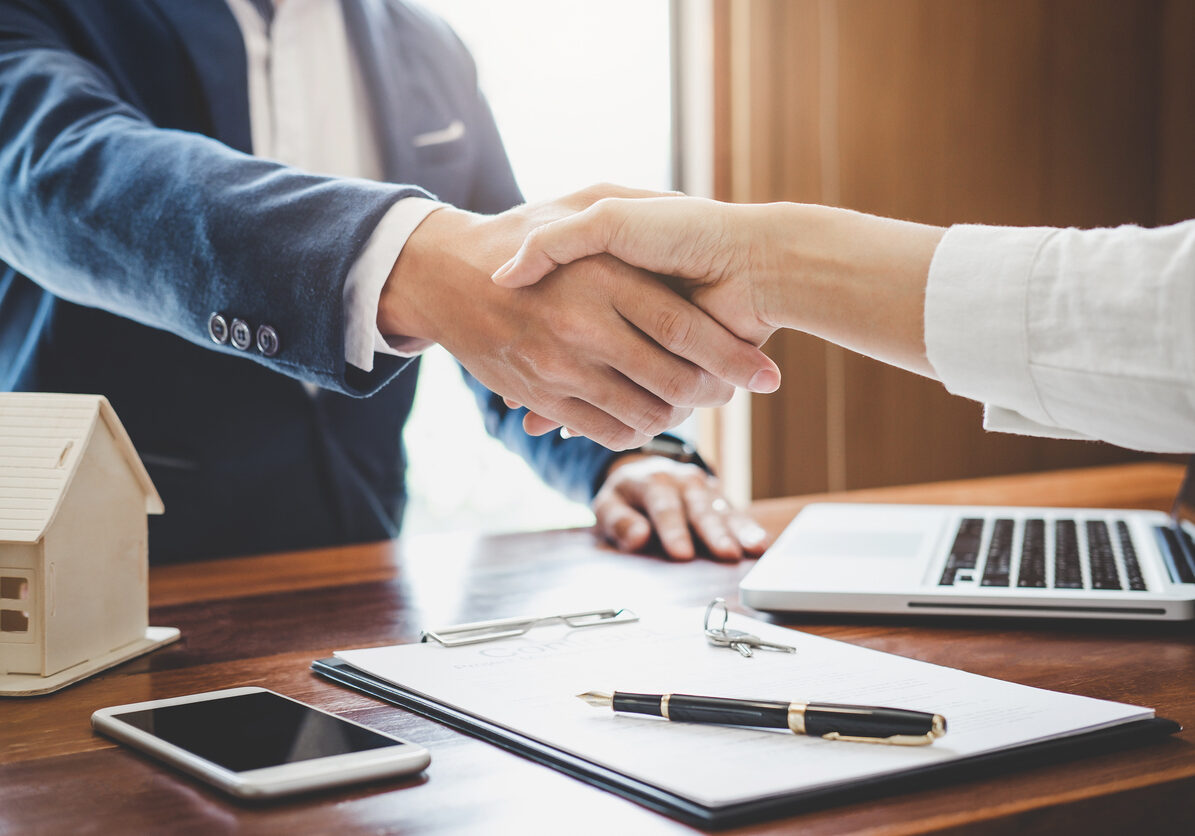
1018	112
1175	173
1050	112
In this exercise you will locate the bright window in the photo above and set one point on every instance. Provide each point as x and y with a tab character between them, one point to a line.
581	93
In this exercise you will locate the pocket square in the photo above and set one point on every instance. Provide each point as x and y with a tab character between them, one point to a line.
452	133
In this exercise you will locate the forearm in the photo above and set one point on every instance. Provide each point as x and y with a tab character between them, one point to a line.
164	227
854	279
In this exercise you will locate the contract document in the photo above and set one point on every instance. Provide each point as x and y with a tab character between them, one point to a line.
522	693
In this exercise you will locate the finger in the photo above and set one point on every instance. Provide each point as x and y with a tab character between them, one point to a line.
593	229
536	424
750	534
512	404
689	332
559	242
707	514
622	414
599	191
590	421
673	380
602	214
619	523
665	509
609	390
584	393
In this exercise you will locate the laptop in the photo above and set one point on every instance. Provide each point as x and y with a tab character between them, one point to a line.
980	560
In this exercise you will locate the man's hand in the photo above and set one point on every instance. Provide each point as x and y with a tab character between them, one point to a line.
600	347
646	494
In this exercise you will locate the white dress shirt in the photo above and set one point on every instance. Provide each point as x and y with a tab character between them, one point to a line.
1070	333
309	108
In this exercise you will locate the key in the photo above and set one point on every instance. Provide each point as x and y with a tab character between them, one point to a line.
734	639
743	641
722	637
756	641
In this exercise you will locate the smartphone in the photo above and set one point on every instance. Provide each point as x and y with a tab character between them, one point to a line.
255	743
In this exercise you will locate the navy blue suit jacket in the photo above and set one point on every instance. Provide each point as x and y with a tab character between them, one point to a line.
131	210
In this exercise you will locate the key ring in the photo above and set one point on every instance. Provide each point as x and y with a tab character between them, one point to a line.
714	606
739	640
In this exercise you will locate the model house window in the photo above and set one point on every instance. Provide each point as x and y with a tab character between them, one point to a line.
14	589
14	621
14	596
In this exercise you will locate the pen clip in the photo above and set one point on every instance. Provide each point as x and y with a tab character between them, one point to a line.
893	740
937	730
477	632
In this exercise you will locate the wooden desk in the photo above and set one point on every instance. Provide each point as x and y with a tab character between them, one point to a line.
260	621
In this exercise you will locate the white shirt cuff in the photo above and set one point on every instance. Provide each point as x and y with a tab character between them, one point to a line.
1069	333
363	285
976	331
1001	420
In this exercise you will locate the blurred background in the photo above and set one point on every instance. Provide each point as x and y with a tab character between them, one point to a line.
582	93
1024	112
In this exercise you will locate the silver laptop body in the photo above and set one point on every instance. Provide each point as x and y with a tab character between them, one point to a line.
978	560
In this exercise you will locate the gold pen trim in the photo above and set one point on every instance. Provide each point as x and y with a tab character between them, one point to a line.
664	706
937	729
796	716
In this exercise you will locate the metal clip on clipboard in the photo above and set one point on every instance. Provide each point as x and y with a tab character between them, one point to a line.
506	628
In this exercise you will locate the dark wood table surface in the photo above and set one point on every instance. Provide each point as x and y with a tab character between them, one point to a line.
261	620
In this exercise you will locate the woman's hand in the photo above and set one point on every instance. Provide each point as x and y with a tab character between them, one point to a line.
717	250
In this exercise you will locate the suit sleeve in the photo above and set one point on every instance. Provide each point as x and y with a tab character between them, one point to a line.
164	227
572	466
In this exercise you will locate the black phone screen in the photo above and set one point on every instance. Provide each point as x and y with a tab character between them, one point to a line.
253	731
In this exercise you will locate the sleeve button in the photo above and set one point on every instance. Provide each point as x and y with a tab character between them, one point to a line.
241	334
217	328
267	340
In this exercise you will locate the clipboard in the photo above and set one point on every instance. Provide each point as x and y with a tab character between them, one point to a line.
693	810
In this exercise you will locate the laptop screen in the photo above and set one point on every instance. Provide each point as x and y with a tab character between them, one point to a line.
1184	504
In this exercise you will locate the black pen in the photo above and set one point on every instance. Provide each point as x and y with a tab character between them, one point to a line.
861	723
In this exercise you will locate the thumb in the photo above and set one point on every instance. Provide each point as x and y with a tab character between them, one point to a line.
556	243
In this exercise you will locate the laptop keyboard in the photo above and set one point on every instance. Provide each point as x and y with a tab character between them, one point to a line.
1058	554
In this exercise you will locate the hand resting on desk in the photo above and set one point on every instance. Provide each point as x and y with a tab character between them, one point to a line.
680	503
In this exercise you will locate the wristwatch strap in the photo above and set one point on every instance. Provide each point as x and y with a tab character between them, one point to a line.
668	446
671	447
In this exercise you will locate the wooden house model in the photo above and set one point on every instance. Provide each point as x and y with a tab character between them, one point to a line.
73	542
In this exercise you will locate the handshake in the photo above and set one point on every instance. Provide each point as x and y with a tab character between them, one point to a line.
620	311
618	348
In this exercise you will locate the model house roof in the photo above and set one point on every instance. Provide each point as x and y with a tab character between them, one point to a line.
42	440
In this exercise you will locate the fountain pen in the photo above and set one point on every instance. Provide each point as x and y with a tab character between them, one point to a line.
832	721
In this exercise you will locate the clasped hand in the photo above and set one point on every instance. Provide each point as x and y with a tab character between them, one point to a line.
600	347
